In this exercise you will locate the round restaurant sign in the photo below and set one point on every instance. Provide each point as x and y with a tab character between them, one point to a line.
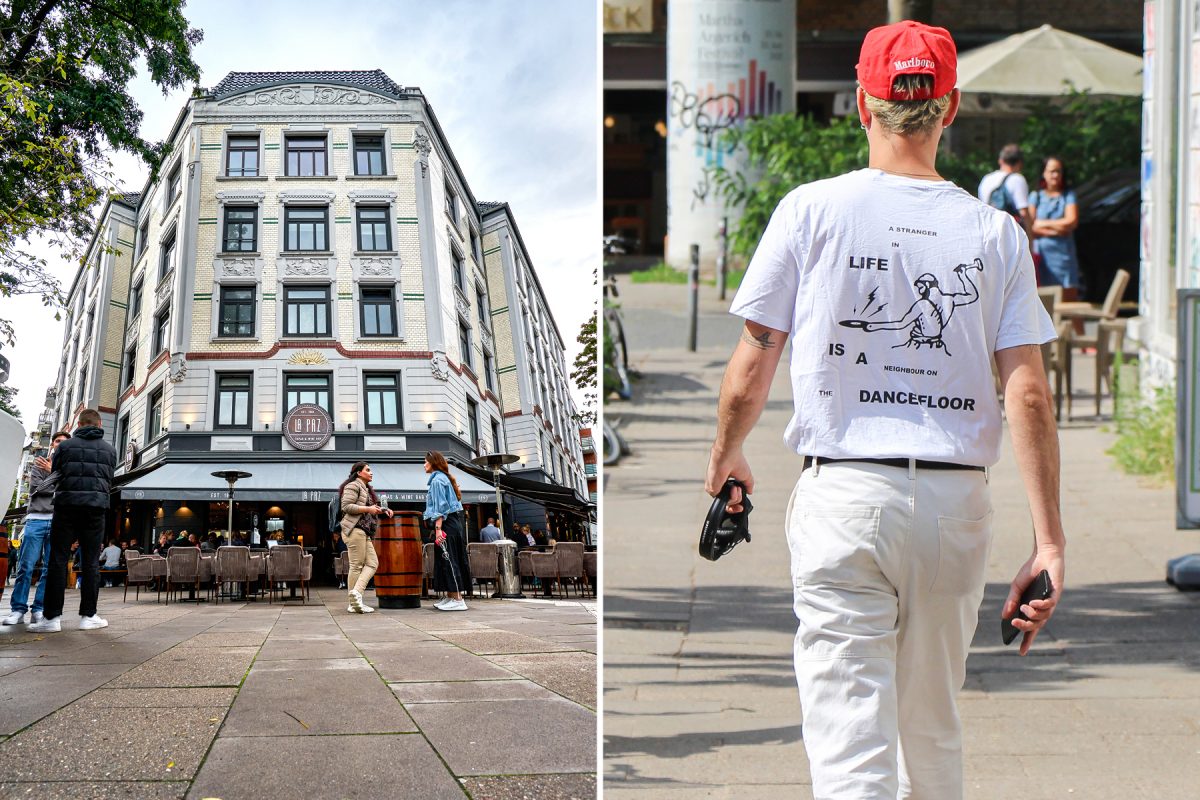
307	427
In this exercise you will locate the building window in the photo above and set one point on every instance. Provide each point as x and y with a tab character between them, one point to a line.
237	311
451	203
166	261
160	330
497	445
154	415
487	370
459	269
91	323
373	229
481	302
175	184
382	391
368	155
144	234
306	311
305	155
473	422
233	400
241	229
135	300
241	160
378	311
464	342
122	438
475	247
83	387
306	228
127	369
307	387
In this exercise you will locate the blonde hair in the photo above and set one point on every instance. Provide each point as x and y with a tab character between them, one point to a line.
909	117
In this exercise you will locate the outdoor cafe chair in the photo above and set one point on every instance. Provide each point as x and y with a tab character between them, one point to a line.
1109	336
426	568
570	563
589	569
183	569
140	573
483	558
545	568
341	566
306	568
286	565
233	566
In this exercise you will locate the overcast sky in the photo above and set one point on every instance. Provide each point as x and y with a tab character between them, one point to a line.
513	83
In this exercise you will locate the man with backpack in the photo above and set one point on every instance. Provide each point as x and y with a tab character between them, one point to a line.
1007	189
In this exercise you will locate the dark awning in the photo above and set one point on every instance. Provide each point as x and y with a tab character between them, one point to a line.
549	495
289	481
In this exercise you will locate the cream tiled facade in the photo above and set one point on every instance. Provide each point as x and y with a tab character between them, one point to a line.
172	335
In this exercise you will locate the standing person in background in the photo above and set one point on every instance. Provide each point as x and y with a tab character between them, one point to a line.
110	560
890	519
35	541
360	507
443	507
1055	217
339	547
1007	189
490	533
85	465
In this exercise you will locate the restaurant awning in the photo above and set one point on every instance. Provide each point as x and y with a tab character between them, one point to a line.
289	481
548	495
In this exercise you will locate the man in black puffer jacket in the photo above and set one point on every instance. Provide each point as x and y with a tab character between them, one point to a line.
85	465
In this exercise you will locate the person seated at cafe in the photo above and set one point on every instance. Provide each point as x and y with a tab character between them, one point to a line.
239	539
193	541
527	538
209	544
540	537
164	544
110	560
490	533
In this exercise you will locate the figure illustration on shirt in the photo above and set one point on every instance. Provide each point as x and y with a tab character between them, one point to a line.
928	317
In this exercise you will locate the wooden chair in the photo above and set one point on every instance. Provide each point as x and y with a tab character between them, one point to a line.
589	570
426	568
1054	354
1109	336
484	562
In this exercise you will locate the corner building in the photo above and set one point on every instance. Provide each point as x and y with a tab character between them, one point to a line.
310	240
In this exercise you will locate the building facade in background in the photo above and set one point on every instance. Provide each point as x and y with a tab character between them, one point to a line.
310	248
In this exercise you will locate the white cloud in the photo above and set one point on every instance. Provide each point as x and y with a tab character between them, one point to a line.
514	86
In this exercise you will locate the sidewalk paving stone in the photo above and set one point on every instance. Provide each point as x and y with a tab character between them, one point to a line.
109	790
191	666
429	661
32	693
527	787
572	675
467	691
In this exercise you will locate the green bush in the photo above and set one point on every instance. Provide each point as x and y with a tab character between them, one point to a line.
1145	430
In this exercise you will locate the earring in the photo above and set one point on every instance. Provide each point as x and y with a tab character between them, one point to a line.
864	127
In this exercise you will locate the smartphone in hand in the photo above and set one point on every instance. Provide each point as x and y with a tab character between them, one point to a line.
1041	589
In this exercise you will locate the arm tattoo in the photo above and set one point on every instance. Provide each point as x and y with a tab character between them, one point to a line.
762	341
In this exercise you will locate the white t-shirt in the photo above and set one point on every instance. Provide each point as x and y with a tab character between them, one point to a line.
1017	187
951	279
110	557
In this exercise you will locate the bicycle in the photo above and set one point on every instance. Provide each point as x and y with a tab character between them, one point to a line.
616	353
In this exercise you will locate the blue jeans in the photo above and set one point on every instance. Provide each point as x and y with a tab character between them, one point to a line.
35	544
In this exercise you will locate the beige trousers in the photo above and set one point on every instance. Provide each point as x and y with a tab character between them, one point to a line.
363	561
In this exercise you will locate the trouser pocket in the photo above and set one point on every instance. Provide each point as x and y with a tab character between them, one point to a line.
962	554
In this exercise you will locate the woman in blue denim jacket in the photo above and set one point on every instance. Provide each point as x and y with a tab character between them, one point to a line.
443	506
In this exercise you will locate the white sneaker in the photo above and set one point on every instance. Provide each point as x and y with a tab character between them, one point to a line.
367	610
356	602
15	618
455	605
92	623
36	616
53	625
440	604
352	609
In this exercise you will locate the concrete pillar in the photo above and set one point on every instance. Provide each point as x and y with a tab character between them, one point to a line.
726	61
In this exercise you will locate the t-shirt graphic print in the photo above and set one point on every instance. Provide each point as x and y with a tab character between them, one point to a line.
896	292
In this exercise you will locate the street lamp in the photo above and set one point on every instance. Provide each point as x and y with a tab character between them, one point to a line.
231	476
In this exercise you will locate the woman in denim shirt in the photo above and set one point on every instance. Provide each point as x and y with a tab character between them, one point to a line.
443	505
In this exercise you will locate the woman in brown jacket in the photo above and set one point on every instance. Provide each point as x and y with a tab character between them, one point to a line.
359	509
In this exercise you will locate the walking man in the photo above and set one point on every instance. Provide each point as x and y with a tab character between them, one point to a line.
85	465
889	524
1008	179
35	541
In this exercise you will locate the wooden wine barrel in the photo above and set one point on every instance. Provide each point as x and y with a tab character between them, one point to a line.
398	547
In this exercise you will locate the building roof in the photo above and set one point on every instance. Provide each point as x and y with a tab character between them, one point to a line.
373	79
130	199
486	206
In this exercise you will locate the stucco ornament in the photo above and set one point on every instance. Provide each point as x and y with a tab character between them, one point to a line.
178	368
440	366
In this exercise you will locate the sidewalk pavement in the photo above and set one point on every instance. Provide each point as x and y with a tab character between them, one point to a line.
258	700
700	699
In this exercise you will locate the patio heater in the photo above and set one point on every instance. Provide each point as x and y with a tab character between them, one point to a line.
231	476
509	584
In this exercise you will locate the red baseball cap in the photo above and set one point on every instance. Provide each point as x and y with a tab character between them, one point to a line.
907	48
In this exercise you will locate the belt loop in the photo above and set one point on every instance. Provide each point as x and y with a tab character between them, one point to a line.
912	469
816	467
987	475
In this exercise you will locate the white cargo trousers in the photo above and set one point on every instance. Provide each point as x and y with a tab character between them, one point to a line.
888	573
